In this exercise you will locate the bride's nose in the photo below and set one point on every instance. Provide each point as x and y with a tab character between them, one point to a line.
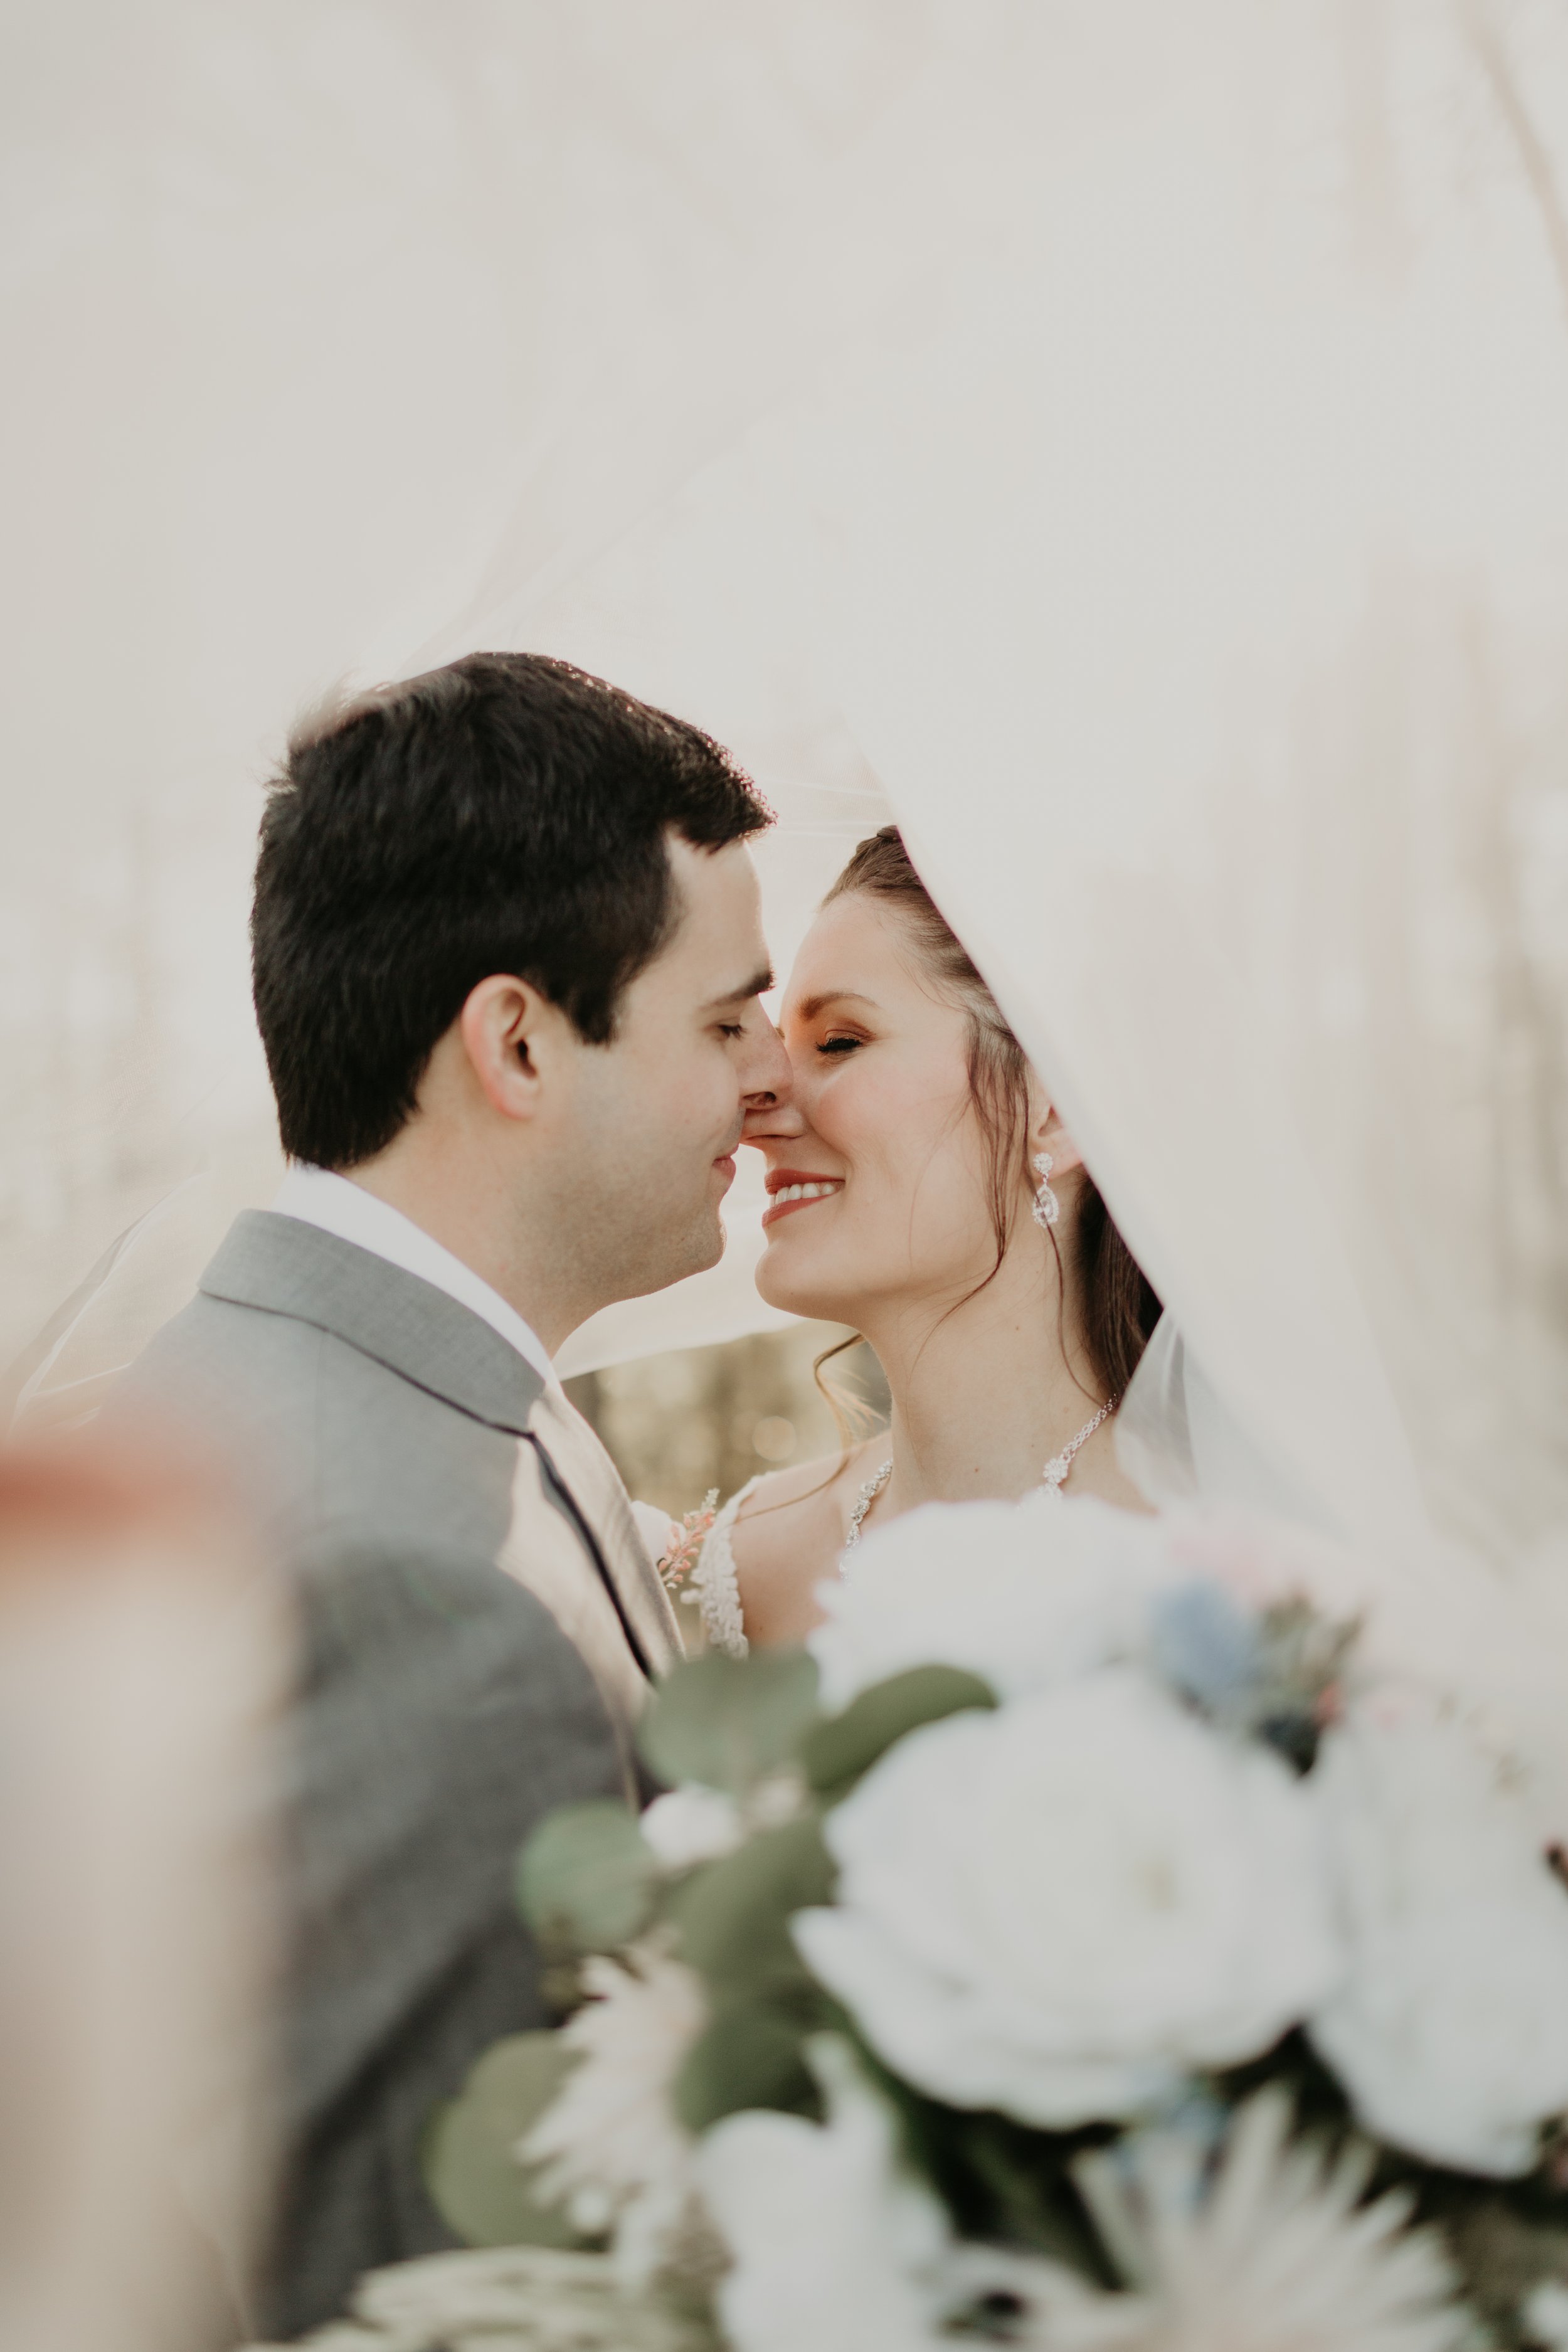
772	1111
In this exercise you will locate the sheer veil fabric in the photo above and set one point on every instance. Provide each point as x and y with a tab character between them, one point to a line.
1132	446
1178	537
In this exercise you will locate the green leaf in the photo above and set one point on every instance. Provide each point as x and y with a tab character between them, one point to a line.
750	2055
733	1918
727	1721
997	2177
477	2184
837	1752
586	1878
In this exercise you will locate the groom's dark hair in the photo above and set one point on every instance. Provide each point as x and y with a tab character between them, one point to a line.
508	814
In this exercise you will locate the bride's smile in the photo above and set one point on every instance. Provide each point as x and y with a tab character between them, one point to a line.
791	1187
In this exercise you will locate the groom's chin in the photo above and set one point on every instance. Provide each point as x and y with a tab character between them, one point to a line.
714	1243
703	1249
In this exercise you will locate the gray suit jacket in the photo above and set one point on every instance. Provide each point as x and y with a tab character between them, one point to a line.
478	1620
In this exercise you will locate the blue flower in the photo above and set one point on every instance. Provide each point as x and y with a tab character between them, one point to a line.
1206	1647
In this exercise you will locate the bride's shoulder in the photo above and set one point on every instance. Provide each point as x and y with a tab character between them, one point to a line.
787	1532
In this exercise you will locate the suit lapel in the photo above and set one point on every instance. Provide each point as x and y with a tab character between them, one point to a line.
591	1481
545	1551
287	1268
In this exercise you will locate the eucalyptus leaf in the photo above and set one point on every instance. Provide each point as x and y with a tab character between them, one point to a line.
725	1722
750	2055
477	2183
585	1877
836	1753
733	1918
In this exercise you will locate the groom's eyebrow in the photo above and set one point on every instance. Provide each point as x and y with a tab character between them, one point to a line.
758	985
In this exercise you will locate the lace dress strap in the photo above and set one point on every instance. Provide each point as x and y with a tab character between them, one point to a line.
715	1581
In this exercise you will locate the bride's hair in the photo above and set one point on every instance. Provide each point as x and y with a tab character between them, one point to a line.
1117	1301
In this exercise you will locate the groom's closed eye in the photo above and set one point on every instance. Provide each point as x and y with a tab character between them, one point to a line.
737	1004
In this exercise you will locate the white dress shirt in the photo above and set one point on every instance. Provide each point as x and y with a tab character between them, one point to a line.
316	1197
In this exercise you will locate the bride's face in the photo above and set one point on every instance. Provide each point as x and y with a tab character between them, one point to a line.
880	1130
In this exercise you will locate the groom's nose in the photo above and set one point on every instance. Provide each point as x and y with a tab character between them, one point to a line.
766	1079
769	1086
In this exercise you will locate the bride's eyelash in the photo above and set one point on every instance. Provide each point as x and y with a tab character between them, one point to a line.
839	1044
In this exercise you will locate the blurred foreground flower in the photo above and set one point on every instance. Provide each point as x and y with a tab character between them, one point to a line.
1018	1967
611	2148
1026	1594
688	1825
1450	2031
1057	1909
834	2246
510	2299
1278	2255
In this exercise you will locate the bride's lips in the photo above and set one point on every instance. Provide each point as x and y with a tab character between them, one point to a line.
781	1181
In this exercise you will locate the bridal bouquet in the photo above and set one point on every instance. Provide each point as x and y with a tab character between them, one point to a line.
1090	1942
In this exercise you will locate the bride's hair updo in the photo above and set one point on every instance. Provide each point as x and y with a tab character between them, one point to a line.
1118	1303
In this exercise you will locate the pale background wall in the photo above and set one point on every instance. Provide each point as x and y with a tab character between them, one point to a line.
296	294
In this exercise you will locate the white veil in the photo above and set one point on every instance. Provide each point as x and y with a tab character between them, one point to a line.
1132	444
1180	539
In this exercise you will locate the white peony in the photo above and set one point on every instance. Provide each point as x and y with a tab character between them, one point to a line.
1060	1908
614	2152
1450	2028
1031	1594
832	2246
1024	1594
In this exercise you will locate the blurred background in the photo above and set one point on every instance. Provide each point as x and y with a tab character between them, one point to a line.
300	296
696	1419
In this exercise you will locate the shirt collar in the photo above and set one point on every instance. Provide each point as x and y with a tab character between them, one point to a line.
315	1196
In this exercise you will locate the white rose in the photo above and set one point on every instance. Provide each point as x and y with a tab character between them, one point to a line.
831	2245
1024	1594
1450	2028
1061	1908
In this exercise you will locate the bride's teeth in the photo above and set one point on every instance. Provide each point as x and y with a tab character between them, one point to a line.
803	1193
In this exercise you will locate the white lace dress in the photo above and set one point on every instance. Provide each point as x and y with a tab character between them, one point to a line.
714	1580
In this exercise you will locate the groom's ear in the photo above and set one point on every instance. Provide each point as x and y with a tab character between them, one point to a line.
505	1029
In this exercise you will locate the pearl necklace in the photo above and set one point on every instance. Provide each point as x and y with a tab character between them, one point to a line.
1053	1477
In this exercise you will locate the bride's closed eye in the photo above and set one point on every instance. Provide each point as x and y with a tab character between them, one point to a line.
839	1044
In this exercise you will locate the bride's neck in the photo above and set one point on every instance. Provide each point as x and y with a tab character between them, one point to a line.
982	1394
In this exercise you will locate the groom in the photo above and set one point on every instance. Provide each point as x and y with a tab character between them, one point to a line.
507	962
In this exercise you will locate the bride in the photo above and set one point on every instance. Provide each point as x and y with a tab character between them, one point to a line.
924	1190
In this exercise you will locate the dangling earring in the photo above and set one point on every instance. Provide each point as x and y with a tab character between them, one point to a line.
1047	1208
